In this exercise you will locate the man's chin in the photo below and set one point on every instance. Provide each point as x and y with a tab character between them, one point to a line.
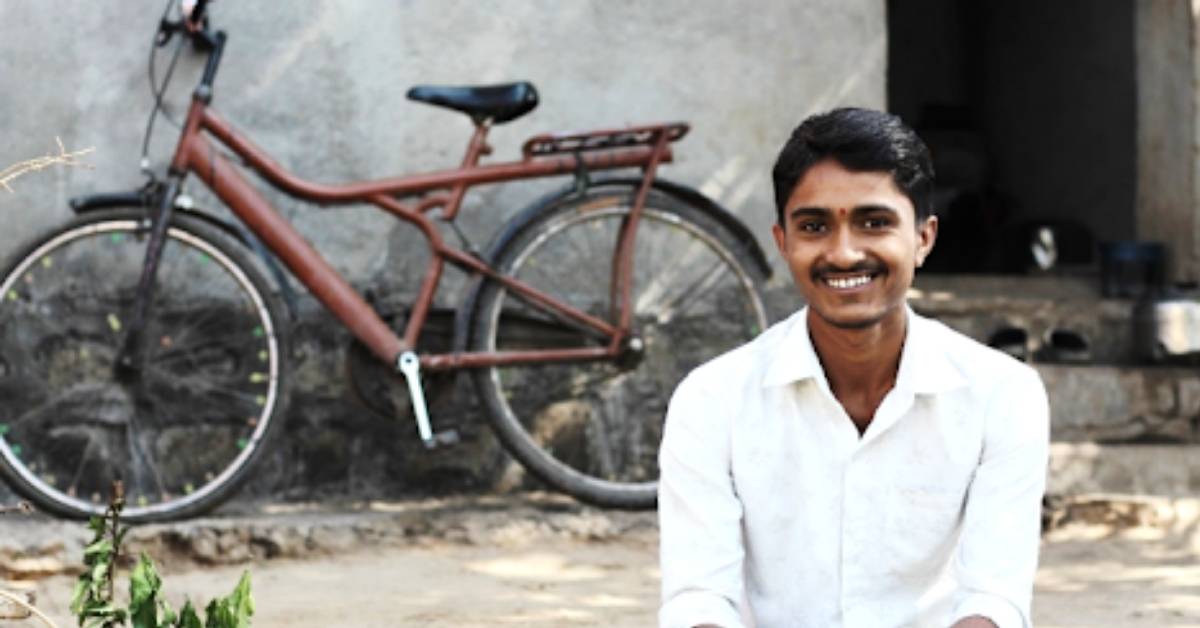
851	320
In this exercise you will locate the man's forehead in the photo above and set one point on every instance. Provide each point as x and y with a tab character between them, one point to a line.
829	175
829	184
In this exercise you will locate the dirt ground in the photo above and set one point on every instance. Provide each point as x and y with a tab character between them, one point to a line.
1091	576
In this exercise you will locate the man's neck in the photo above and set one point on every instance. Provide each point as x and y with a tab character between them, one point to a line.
861	363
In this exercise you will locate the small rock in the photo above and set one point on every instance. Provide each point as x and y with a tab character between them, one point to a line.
332	539
203	547
24	567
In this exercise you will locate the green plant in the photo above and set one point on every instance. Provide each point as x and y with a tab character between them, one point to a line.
92	601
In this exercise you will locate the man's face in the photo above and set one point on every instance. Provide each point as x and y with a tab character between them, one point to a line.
852	242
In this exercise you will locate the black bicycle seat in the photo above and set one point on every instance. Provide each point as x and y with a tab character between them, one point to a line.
500	103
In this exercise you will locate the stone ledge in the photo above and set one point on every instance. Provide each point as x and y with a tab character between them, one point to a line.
37	547
1114	403
1167	471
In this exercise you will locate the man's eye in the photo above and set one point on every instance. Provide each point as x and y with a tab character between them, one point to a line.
811	226
876	223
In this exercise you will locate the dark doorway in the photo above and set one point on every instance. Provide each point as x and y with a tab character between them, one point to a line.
1029	109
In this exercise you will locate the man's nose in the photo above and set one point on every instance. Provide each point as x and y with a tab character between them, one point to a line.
844	250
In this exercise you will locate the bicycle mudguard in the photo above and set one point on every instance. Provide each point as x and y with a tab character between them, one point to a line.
687	194
144	198
110	200
738	229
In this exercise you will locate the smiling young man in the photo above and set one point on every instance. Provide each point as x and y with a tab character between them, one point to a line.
856	465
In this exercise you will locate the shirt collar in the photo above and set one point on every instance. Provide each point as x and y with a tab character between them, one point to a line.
925	365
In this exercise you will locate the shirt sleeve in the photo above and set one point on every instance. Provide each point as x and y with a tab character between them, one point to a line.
700	515
998	550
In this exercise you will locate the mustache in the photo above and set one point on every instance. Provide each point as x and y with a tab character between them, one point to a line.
862	267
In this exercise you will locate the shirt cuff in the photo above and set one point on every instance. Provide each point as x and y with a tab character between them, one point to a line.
1002	612
696	608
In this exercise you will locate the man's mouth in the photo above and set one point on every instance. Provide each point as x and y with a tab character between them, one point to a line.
844	283
848	281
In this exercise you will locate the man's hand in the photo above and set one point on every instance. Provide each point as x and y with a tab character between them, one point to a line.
974	621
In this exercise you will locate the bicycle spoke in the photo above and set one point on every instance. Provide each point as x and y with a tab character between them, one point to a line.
72	397
84	458
663	313
134	442
197	387
176	429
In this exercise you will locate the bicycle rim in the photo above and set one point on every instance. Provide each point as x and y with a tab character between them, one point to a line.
593	429
179	435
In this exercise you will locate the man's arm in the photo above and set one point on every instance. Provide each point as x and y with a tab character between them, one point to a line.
997	553
700	516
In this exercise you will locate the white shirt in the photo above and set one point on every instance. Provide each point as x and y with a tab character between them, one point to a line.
774	512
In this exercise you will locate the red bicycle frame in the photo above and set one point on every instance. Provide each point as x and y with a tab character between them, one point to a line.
548	155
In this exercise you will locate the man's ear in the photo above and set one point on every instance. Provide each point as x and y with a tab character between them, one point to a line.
780	239
926	236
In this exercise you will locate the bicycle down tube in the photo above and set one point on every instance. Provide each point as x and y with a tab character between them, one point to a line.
443	189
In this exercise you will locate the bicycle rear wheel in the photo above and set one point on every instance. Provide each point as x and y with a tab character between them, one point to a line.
592	429
182	432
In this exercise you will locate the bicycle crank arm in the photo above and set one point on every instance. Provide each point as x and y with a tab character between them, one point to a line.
410	366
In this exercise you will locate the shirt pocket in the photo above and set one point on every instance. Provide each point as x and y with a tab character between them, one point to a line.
922	525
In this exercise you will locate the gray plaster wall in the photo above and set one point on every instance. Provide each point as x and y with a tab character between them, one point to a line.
321	84
1168	182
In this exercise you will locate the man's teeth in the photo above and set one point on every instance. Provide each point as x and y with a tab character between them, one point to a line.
842	283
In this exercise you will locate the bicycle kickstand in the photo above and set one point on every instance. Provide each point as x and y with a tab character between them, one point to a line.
410	366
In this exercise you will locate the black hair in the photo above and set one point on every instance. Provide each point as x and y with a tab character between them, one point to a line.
861	140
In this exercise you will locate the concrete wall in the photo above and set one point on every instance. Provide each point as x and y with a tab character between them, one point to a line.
321	84
1168	182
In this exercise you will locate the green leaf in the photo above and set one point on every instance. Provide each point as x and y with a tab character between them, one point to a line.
211	612
99	574
78	596
101	546
166	616
233	611
188	617
105	614
144	585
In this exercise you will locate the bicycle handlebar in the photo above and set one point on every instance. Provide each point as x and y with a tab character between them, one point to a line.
193	24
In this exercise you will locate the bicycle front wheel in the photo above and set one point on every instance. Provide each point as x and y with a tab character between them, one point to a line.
181	430
592	429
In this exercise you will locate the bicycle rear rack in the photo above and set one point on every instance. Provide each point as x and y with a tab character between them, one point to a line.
552	144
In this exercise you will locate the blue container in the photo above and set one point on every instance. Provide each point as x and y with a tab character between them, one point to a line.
1131	269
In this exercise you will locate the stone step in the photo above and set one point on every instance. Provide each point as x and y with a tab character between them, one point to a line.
1123	403
1167	470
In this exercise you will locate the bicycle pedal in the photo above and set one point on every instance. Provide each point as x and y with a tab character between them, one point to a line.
445	438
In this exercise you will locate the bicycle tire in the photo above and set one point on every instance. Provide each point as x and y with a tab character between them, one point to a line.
184	434
561	420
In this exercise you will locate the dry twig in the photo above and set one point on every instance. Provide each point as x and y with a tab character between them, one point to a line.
30	165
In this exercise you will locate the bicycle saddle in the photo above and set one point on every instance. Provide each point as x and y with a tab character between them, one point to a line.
501	103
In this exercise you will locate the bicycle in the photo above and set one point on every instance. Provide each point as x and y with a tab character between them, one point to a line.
143	340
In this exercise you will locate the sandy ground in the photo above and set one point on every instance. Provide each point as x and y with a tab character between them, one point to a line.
1091	575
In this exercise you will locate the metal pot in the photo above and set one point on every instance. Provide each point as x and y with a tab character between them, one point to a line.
1167	328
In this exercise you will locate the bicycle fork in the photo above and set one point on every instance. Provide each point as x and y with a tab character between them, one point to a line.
131	357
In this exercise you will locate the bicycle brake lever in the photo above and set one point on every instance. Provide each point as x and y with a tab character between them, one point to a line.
166	31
